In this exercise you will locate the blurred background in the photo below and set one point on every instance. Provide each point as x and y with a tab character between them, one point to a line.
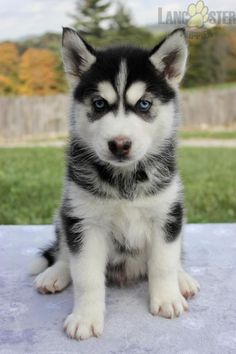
34	98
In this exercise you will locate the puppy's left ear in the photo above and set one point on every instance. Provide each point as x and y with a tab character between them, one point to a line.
78	56
170	56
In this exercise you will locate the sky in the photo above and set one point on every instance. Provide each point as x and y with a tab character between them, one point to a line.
21	18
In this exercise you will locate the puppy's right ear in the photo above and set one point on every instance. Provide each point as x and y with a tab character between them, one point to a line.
77	55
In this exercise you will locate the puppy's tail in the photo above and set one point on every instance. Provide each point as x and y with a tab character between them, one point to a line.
45	258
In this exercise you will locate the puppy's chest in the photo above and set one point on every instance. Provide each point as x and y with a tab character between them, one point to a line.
131	226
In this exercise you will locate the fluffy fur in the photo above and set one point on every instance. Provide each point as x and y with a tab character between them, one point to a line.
121	214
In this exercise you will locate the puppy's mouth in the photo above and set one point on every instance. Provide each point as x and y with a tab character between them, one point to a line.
118	161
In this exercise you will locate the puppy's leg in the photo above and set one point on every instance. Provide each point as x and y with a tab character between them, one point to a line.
88	276
163	266
165	297
56	277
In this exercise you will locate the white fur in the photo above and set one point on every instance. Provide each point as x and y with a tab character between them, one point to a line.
87	318
37	265
54	278
135	92
122	77
132	220
106	91
145	136
189	287
123	217
165	296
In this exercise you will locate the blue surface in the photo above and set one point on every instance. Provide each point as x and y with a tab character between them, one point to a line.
32	323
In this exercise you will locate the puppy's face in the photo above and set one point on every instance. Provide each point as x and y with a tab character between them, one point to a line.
124	98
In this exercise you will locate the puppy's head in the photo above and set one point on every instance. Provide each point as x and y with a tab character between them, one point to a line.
123	97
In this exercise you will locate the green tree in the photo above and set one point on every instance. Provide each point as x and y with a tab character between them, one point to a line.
90	16
121	20
123	30
207	59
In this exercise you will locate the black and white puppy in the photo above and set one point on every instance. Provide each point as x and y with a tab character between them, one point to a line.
121	214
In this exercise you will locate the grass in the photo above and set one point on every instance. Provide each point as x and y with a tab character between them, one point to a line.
227	134
31	180
209	176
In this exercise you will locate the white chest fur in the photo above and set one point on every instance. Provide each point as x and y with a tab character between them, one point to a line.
131	224
132	220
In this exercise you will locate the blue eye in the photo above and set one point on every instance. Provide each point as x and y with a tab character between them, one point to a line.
99	104
143	105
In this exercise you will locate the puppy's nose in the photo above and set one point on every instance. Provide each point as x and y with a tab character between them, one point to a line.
120	146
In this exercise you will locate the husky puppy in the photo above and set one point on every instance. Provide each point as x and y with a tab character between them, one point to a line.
121	214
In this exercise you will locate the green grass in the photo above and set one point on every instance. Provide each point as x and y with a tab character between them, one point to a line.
196	134
30	183
31	180
209	176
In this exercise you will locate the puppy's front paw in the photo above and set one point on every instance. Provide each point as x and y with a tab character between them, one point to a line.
81	327
168	306
53	279
189	287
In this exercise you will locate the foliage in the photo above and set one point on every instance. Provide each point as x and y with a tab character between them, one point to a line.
90	16
37	72
9	61
208	58
231	59
49	40
212	58
31	181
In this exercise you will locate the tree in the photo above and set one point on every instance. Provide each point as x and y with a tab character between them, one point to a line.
207	59
90	19
231	62
123	30
9	61
90	16
38	72
121	21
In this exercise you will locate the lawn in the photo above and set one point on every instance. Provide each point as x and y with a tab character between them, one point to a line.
205	134
31	179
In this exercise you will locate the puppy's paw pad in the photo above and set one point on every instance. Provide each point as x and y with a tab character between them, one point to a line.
52	280
169	309
189	287
79	328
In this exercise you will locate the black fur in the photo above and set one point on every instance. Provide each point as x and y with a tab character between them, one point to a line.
123	248
50	252
116	274
72	229
174	222
90	173
140	68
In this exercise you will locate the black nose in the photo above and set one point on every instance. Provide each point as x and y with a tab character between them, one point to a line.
120	146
